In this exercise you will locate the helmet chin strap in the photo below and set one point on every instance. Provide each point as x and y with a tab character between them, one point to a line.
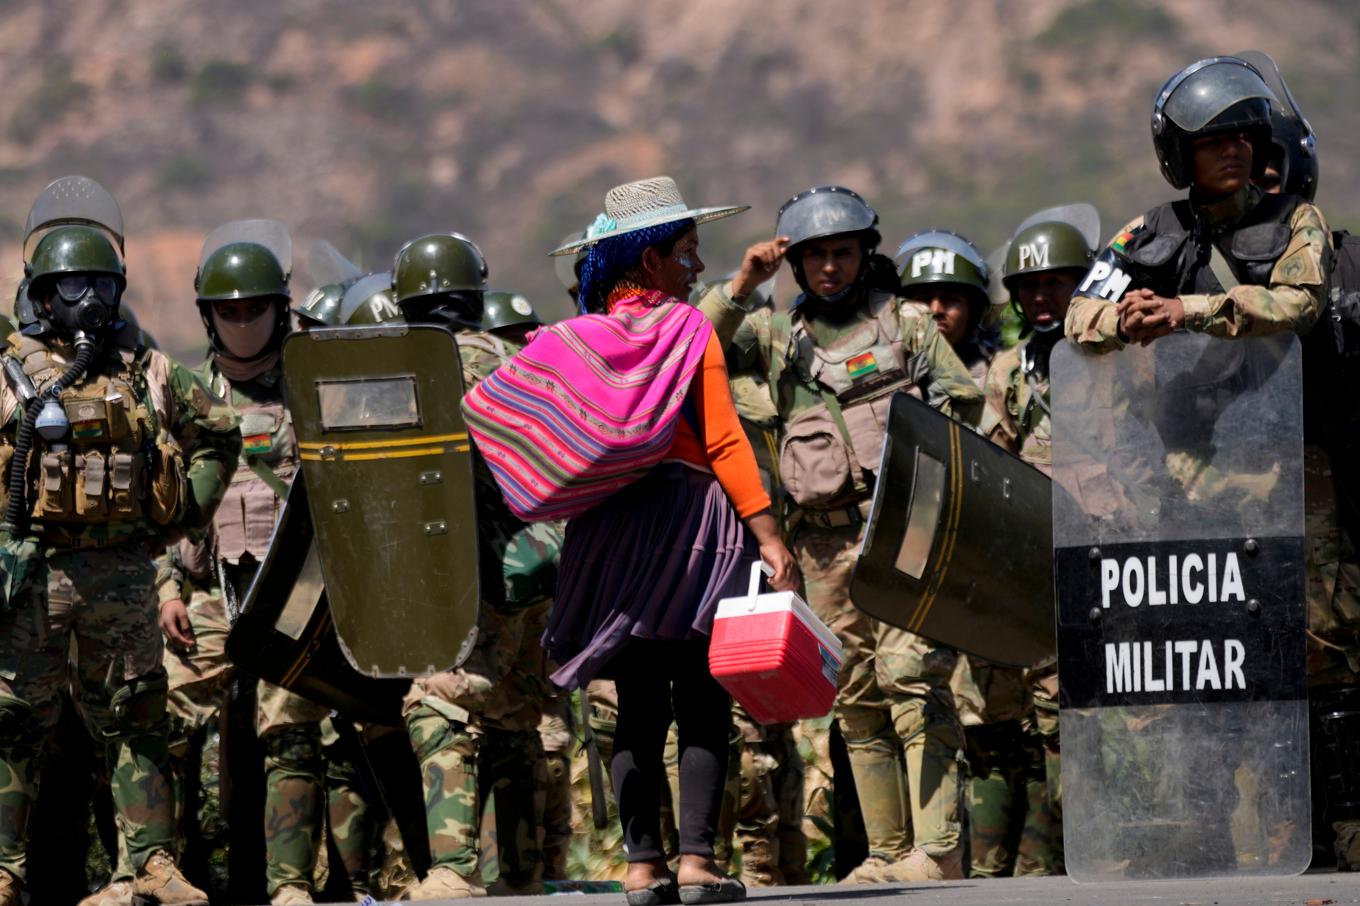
839	295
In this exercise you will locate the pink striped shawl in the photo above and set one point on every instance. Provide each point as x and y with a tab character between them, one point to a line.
588	406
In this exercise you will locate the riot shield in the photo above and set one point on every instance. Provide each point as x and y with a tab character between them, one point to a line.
957	546
1084	217
271	234
1179	565
328	265
389	471
285	633
73	200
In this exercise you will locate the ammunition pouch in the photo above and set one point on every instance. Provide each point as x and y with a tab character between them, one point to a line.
139	705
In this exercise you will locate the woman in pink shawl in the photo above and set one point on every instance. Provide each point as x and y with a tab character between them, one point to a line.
643	571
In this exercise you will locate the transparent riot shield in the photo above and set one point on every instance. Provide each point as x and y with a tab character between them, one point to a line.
389	472
1179	569
957	545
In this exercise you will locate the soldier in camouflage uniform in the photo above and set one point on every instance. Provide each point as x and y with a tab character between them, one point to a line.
243	297
1011	716
834	362
484	714
1230	261
131	451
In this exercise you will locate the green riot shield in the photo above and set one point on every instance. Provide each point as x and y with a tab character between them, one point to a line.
389	471
957	546
285	633
1178	533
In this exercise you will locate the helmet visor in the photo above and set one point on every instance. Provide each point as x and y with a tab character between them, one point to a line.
269	233
73	200
1212	89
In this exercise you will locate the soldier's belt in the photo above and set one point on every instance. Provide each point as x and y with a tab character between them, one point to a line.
841	517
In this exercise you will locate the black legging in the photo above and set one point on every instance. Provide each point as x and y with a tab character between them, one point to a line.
656	680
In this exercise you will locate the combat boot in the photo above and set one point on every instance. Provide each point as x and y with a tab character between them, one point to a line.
291	895
10	888
443	883
920	865
160	881
869	871
115	893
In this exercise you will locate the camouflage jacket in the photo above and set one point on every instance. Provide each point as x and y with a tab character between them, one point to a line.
190	424
1020	402
1289	298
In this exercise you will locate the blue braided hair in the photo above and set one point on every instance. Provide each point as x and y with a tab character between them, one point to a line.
607	259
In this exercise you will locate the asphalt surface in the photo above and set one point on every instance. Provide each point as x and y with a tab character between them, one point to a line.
1318	889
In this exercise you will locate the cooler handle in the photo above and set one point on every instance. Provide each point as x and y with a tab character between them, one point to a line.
753	592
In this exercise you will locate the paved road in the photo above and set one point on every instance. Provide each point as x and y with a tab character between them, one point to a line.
1321	889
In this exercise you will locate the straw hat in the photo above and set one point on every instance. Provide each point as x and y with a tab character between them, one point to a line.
638	205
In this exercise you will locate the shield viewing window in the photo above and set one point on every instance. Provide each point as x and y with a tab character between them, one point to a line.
359	405
927	494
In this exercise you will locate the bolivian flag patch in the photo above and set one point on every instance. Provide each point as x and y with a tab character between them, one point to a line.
862	364
87	430
258	443
1122	240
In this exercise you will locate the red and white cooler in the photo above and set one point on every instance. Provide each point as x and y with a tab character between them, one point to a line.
772	654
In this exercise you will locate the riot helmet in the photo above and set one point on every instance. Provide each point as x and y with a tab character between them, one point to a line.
1054	239
1295	147
1217	94
504	309
368	300
73	201
75	280
940	258
440	277
820	213
321	308
237	272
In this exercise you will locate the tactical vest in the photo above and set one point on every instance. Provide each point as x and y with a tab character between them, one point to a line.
109	468
831	449
1173	251
245	519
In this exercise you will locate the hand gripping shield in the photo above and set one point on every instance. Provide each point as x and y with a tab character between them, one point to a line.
389	471
957	545
1179	567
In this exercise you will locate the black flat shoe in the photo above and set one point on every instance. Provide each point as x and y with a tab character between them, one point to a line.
728	890
661	892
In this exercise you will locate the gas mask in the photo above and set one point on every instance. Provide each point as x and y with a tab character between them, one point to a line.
84	302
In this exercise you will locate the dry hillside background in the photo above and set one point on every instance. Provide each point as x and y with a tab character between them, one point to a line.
367	123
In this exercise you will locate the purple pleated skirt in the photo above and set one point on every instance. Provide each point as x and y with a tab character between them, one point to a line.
651	562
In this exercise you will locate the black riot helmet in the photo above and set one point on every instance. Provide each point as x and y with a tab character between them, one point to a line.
1295	147
822	212
1217	94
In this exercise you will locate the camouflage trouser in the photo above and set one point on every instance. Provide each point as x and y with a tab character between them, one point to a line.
1007	802
349	815
554	732
769	804
513	782
894	707
500	686
1045	856
106	600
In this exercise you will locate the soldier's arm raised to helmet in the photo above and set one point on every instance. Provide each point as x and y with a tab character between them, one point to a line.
722	312
208	430
947	384
1293	299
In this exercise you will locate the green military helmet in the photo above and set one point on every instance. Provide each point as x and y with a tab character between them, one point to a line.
368	300
1046	246
240	270
70	250
436	264
941	256
501	308
321	308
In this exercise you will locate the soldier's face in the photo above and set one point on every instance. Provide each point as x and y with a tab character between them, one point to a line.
830	265
948	307
1221	162
1044	296
242	311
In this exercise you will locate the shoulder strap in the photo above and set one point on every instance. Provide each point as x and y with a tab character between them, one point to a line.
267	475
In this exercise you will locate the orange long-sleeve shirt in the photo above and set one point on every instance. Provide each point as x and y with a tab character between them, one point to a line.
724	449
